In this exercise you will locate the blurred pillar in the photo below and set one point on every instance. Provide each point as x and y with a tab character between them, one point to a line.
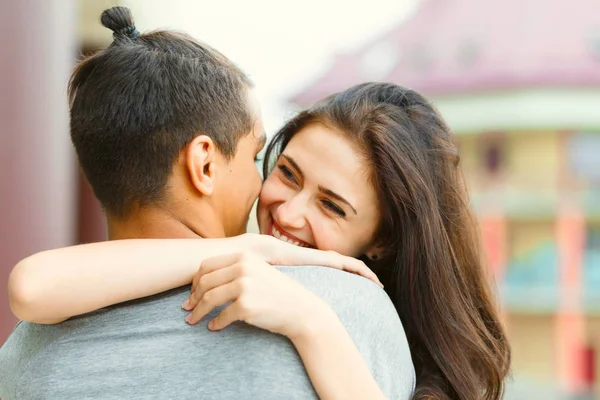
494	236
570	319
37	174
589	368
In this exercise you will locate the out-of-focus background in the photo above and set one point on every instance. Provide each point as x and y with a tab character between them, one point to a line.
517	80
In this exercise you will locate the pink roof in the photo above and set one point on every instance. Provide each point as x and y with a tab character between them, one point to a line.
452	46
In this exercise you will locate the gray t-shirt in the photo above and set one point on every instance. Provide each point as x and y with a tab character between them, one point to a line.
144	350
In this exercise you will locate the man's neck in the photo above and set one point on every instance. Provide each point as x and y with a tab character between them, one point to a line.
147	223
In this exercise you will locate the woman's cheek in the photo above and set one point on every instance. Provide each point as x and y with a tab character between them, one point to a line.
323	237
328	236
268	192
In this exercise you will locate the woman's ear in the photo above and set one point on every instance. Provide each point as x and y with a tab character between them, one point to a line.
200	161
374	252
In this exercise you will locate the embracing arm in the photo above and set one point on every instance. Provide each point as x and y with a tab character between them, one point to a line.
332	361
52	286
265	297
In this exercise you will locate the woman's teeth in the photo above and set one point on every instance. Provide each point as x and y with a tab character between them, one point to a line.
284	238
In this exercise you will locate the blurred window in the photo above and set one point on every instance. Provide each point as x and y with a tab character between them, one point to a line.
584	157
533	254
593	238
492	152
591	262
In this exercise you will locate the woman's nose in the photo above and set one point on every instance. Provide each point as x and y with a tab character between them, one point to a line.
292	213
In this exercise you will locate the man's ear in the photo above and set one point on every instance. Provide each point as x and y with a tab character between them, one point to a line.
200	156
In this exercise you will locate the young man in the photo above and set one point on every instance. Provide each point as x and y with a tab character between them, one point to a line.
166	130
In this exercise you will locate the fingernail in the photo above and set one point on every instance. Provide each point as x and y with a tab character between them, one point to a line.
211	324
188	318
186	304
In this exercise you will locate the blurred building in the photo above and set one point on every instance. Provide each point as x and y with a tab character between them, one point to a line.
45	201
519	83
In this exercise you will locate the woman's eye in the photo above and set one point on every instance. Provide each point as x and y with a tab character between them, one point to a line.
333	208
289	175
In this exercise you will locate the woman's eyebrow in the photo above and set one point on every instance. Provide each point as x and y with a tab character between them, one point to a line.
293	163
337	197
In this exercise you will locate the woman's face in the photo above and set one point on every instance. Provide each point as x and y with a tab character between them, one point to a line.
319	194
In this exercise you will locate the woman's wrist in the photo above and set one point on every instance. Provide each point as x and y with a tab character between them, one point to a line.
318	321
265	246
252	242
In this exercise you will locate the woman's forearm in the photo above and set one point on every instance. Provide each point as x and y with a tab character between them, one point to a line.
54	285
333	363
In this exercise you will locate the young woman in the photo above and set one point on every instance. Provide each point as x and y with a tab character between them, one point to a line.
371	173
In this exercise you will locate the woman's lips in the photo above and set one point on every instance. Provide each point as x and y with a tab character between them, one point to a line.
276	231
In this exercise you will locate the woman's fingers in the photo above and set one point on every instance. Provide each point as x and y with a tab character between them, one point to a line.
211	299
351	264
208	282
230	314
360	268
211	264
196	278
294	255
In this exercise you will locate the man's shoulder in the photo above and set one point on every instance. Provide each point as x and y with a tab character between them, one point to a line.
371	320
28	339
25	344
360	304
324	278
32	347
341	288
146	350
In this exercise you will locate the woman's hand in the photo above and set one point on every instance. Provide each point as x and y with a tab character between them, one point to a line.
278	252
260	295
265	297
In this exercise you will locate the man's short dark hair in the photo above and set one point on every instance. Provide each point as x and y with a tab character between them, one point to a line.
136	104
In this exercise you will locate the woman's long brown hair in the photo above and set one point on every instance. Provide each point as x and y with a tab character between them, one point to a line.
431	266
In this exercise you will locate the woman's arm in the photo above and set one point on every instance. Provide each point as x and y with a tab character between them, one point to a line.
54	285
266	298
332	361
